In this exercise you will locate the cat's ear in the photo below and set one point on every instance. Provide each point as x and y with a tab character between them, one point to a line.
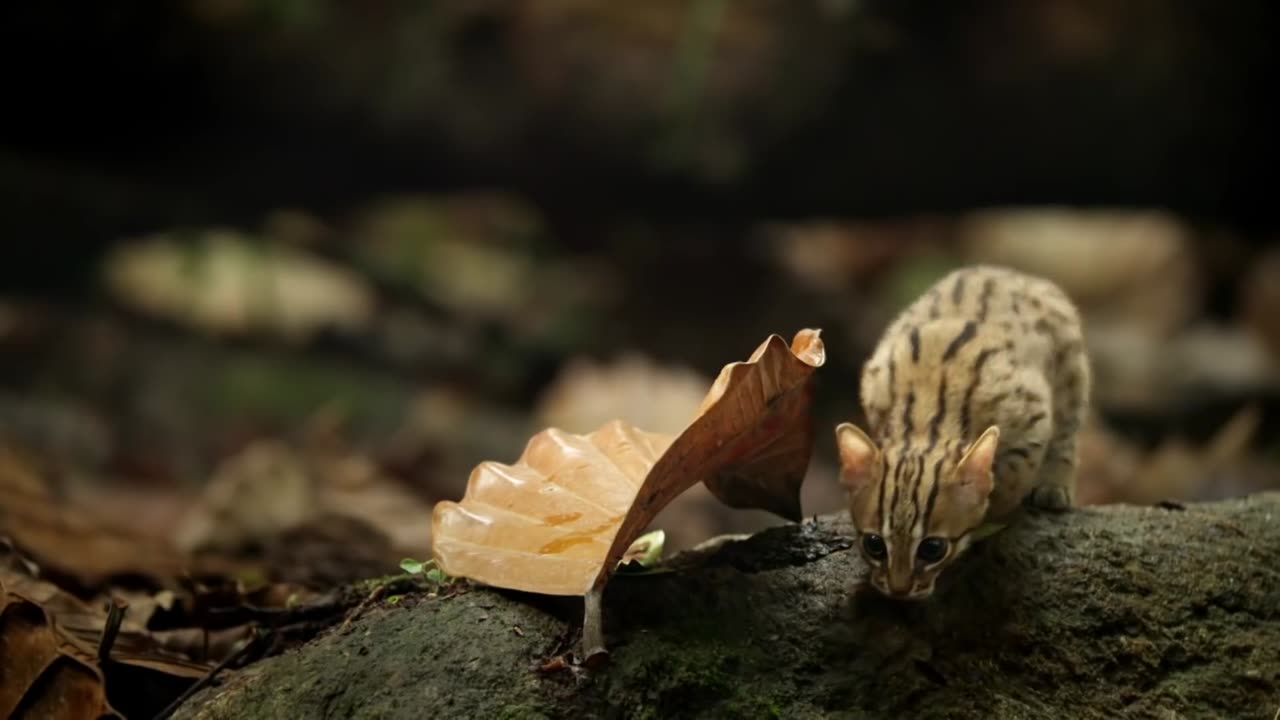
858	455
974	473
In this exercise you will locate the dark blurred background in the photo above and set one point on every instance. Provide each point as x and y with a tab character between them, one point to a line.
271	262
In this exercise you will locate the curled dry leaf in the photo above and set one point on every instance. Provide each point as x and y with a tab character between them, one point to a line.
764	464
50	646
44	675
558	521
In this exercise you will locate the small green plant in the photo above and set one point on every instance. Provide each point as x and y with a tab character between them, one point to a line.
644	556
434	576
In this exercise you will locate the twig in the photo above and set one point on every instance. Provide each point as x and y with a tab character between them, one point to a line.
326	606
204	682
593	627
115	615
374	596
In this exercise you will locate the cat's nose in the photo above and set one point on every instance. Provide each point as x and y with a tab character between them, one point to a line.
900	590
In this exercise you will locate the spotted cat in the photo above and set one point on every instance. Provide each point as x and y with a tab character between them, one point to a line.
973	398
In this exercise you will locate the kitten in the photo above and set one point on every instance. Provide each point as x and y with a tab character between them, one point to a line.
973	398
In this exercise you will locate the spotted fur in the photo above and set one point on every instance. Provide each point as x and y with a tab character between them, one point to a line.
973	398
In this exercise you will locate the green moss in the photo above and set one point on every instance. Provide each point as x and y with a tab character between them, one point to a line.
523	712
286	391
1075	637
913	277
702	680
662	684
754	706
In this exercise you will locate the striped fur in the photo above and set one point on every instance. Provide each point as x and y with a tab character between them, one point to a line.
973	400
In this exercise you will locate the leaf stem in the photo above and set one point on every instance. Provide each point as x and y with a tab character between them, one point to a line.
593	626
115	615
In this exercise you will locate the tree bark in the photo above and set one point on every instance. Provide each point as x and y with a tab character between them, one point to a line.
1168	612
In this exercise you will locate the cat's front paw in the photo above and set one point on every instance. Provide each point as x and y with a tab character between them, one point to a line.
1050	497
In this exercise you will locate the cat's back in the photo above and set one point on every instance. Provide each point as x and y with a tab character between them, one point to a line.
990	294
979	327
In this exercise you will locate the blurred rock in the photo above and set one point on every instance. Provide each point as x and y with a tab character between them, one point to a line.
56	427
354	487
1133	269
1260	301
469	252
587	394
1114	470
252	495
479	259
224	283
1136	371
831	255
460	430
272	487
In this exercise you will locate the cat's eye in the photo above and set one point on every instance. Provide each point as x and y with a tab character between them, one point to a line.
874	546
931	549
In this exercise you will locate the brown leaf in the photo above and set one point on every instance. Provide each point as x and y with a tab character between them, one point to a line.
555	664
56	534
49	665
41	675
559	519
765	466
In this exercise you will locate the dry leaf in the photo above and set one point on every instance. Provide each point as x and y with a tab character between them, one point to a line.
42	674
55	638
764	464
55	533
558	521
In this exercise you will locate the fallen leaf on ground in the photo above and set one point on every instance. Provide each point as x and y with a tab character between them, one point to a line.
55	534
43	674
558	521
50	655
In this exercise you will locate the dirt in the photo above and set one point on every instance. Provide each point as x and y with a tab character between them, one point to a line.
1098	613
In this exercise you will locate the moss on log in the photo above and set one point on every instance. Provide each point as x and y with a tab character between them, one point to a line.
1162	612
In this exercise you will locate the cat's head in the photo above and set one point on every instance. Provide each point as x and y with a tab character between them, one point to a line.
915	508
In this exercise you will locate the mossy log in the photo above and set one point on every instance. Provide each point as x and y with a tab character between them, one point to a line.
1160	612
